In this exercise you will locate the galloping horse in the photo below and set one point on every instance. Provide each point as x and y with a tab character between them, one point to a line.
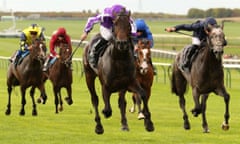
116	72
60	74
205	76
144	73
28	73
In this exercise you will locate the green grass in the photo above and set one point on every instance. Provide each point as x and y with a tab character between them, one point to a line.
76	123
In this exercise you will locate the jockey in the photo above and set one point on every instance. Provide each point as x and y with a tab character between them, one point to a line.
28	35
106	24
59	36
199	29
143	31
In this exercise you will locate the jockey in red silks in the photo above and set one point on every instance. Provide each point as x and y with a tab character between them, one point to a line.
58	37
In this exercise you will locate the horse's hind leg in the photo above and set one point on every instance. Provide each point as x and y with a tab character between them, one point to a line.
197	109
182	104
56	91
122	106
8	111
34	111
204	120
43	97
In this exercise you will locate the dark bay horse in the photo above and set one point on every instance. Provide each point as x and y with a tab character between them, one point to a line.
144	73
205	76
116	72
28	74
60	74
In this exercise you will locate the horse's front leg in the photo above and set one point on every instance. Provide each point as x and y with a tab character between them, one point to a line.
23	92
197	109
34	111
204	120
107	111
222	92
8	111
135	87
69	97
43	97
56	91
90	79
122	106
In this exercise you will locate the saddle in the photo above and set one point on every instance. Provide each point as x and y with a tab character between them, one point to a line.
22	56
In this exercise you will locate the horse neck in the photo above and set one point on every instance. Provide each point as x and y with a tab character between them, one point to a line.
121	54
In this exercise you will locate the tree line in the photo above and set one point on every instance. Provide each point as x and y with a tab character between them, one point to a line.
214	12
192	13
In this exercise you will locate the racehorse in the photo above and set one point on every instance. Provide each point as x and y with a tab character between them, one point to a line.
144	71
205	76
116	72
28	74
60	74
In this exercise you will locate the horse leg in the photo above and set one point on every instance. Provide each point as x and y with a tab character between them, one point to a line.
23	92
8	111
34	111
69	97
135	87
204	120
222	92
107	111
56	101
182	103
140	111
43	98
60	101
132	109
95	101
122	106
197	109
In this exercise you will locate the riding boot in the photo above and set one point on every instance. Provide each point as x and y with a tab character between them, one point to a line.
189	57
16	59
46	64
95	50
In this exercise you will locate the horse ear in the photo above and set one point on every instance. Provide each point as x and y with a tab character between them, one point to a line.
222	24
208	29
129	13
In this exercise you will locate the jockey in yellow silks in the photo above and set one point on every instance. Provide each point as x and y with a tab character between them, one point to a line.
28	35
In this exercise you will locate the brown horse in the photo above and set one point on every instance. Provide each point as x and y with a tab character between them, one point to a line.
60	74
205	76
116	72
144	73
28	73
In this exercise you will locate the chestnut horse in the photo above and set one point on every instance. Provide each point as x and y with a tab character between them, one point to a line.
206	75
28	73
60	74
116	72
144	71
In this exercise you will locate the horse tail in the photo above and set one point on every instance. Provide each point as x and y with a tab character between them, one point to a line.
178	82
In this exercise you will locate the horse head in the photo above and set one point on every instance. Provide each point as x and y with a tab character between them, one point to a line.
216	40
65	54
122	29
143	55
38	50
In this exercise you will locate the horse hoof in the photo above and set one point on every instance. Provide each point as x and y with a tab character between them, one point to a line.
225	126
99	129
8	112
196	112
69	100
206	131
34	113
187	126
141	116
131	110
106	113
39	100
60	109
149	126
22	113
125	128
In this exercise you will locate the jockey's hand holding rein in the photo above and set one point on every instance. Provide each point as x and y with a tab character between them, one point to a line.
170	29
